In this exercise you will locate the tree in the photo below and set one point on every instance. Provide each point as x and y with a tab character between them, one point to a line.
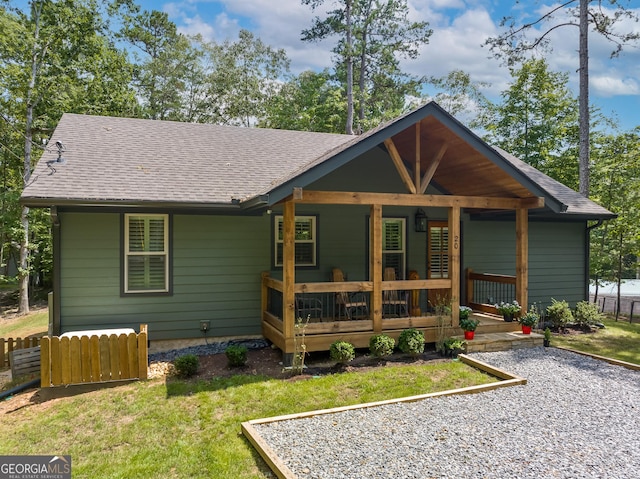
515	44
537	121
372	37
48	65
458	94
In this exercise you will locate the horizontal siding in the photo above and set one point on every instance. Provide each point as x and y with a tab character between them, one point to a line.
217	262
556	256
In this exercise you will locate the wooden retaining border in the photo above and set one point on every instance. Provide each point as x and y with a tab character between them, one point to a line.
283	472
92	359
615	362
8	345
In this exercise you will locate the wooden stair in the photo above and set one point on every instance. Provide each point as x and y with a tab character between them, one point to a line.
489	342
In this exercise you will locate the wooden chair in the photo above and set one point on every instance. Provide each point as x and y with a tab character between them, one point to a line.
351	303
394	302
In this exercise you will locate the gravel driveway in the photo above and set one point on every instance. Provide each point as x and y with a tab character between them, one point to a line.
576	418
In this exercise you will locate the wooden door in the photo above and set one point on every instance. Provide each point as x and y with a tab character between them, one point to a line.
438	260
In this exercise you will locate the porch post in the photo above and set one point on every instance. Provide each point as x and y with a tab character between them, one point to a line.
522	257
375	258
288	273
454	263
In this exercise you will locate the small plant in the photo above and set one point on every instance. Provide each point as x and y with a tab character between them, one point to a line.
453	346
559	314
411	341
469	324
187	365
547	337
381	345
342	352
236	355
508	309
465	311
530	318
299	345
587	314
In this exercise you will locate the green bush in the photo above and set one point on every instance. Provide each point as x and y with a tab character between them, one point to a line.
587	314
559	314
187	365
411	341
236	355
381	345
342	352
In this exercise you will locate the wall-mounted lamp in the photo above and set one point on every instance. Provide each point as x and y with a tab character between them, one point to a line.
421	221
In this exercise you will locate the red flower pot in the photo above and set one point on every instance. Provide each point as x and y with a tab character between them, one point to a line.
469	334
526	329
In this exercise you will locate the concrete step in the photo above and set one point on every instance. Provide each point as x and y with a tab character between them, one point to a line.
487	342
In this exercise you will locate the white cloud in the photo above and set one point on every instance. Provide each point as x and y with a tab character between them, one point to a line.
608	86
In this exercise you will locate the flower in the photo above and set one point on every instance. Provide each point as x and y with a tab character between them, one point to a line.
529	319
508	308
465	311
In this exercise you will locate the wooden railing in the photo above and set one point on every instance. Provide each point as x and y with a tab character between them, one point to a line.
485	290
90	359
13	344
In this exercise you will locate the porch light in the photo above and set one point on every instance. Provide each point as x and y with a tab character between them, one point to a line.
421	221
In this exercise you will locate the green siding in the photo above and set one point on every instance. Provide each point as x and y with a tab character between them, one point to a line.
556	256
216	266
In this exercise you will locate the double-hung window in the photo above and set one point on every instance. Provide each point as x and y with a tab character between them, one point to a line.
394	245
305	237
146	258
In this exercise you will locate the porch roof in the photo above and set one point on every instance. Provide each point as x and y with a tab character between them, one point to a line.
131	162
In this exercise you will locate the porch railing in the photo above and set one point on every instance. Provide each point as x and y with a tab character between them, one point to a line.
485	290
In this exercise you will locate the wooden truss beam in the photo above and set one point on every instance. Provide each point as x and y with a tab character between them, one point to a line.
399	164
431	170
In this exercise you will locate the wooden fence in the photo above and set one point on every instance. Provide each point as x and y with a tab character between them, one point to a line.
8	345
90	359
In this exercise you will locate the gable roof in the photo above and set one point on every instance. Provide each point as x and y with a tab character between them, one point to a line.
133	162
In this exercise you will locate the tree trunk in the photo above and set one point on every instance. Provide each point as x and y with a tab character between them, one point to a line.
349	66
583	99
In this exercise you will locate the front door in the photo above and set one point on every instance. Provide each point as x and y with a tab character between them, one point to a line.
438	261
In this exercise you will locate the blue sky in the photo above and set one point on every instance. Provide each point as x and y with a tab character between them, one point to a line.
460	28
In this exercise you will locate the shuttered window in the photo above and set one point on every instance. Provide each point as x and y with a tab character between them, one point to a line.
146	253
438	250
305	238
394	245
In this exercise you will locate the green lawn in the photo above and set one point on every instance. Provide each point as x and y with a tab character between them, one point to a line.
188	429
619	340
23	326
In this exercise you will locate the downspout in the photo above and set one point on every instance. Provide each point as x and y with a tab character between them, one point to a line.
54	326
588	255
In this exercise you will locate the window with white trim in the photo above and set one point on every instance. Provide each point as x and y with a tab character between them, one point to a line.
394	245
305	237
146	259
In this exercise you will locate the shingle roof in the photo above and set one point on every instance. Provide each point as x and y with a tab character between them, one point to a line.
128	160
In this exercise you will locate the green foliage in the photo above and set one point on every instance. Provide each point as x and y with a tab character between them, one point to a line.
411	341
381	345
451	344
587	314
465	311
342	352
511	308
469	324
529	319
236	355
186	365
559	314
547	334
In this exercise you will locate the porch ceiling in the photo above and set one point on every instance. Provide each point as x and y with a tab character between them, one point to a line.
463	170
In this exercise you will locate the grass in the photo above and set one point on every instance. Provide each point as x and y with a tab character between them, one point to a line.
192	429
23	326
619	340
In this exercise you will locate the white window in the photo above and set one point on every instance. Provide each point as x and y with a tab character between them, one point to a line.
146	243
394	245
305	238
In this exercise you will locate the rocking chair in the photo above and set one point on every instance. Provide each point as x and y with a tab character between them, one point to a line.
394	302
351	303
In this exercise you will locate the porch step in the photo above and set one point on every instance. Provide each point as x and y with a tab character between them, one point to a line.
488	342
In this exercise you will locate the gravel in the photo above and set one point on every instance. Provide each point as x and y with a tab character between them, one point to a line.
576	418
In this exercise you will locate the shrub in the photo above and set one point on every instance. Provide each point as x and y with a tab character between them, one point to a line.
411	341
587	314
236	355
381	345
187	365
342	352
559	313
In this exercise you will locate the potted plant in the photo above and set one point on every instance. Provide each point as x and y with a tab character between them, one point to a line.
469	326
508	310
465	311
453	347
528	320
547	337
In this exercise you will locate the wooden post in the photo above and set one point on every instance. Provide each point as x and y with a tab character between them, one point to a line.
143	352
375	256
454	263
417	171
522	257
45	362
469	300
288	274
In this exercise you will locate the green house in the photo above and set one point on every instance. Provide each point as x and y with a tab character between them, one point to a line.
207	231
